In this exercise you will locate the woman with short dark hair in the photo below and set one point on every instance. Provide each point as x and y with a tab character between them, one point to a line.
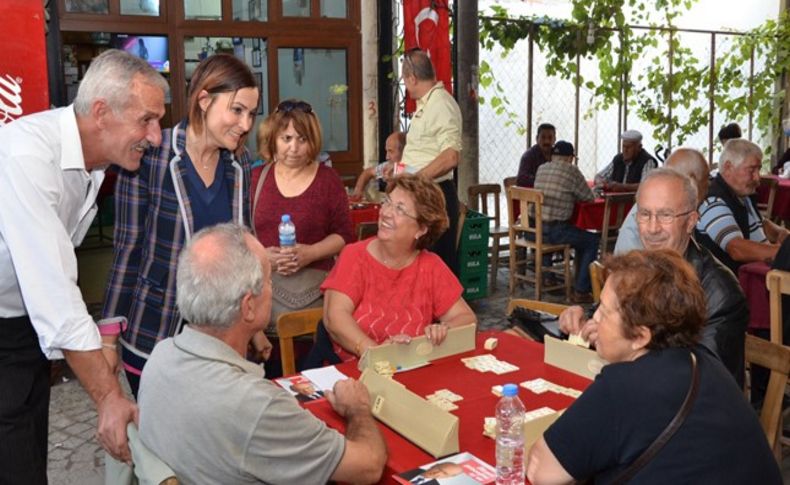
389	287
198	177
647	327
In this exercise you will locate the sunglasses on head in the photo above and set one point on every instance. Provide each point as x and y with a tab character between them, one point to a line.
289	105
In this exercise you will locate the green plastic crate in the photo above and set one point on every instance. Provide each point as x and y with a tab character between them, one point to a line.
473	259
475	285
475	231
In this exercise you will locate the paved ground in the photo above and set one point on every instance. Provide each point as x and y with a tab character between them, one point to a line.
75	457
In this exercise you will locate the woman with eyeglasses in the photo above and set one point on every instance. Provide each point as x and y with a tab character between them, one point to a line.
293	182
389	287
199	176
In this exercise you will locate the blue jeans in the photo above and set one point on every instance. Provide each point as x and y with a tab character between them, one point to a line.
584	244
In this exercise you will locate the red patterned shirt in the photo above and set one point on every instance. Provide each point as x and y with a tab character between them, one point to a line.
387	301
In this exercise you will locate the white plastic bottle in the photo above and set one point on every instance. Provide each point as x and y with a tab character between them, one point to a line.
510	437
287	231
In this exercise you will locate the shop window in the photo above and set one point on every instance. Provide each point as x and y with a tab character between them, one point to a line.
203	9
88	6
336	9
140	7
246	10
296	8
320	77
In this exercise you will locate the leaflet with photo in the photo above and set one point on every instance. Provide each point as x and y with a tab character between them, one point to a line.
461	469
302	388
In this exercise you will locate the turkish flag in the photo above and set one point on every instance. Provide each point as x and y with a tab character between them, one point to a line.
426	25
24	88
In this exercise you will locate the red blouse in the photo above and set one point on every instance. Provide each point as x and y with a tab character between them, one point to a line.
388	301
321	210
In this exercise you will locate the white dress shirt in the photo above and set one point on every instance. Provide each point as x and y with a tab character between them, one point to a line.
48	203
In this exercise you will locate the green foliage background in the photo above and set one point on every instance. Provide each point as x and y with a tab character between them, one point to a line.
600	32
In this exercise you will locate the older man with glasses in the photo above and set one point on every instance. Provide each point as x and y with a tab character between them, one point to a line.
666	216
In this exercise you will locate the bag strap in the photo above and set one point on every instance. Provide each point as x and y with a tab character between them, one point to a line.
265	171
668	432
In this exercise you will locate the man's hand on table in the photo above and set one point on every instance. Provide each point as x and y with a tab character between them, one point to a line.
349	398
574	321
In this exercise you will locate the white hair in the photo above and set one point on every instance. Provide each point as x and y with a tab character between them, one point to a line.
737	150
209	287
689	188
110	76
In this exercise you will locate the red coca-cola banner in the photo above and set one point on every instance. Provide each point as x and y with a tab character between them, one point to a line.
23	59
426	24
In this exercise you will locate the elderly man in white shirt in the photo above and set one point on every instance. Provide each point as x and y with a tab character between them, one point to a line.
51	167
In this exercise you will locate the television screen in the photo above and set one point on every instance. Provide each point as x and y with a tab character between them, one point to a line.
151	48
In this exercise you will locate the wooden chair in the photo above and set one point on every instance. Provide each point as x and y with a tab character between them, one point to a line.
598	278
530	201
776	358
618	205
767	208
540	306
509	182
778	283
479	197
295	324
366	230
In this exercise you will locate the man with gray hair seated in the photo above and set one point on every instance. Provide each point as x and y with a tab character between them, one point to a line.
666	215
208	412
731	227
628	167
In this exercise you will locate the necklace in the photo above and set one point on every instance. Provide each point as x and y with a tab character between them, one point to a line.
395	263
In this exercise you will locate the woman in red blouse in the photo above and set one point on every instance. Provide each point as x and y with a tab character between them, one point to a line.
389	287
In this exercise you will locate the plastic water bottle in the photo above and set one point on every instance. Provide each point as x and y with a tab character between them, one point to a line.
510	437
287	231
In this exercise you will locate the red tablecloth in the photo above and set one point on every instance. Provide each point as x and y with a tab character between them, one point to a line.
781	207
589	215
478	401
752	279
368	213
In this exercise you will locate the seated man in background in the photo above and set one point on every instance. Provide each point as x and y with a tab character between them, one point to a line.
627	168
666	215
731	227
536	156
208	412
393	149
563	185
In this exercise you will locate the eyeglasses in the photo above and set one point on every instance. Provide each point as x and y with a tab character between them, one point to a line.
289	105
398	208
663	218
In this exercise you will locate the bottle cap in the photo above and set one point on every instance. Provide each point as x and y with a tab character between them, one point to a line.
510	390
285	218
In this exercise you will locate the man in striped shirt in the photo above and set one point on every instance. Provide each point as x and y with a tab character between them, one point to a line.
730	225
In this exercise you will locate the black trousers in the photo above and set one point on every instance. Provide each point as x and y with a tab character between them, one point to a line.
24	404
445	247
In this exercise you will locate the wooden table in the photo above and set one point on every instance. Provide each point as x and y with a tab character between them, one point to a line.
475	387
